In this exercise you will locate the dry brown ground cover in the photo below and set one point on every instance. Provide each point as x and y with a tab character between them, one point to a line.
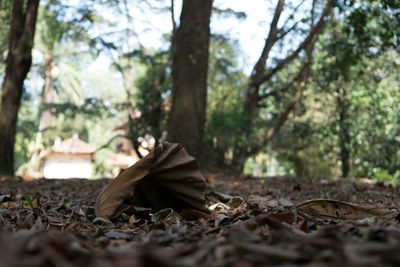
255	222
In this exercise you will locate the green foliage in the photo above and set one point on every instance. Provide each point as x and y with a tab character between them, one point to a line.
224	113
23	138
354	52
383	175
310	141
153	89
375	106
28	201
375	24
228	12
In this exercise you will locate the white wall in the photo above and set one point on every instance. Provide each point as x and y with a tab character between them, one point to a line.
67	166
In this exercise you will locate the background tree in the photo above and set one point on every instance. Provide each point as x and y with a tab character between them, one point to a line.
354	36
331	134
225	83
265	91
151	103
19	61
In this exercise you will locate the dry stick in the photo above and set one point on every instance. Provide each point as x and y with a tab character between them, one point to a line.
109	142
91	195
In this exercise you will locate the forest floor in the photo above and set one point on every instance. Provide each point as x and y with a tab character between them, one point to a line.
255	222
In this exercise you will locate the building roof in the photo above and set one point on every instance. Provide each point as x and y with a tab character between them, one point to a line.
73	145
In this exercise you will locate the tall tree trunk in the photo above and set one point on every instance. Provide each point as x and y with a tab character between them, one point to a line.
189	76
18	63
342	106
46	119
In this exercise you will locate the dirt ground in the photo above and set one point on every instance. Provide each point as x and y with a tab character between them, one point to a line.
254	222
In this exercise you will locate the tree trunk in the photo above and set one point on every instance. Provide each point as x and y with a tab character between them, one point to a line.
344	128
189	76
46	118
18	63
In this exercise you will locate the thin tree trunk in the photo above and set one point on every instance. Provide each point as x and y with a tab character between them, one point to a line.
344	128
18	63
45	118
189	76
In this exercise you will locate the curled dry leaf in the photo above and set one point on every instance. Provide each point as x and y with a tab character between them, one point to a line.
168	177
164	215
218	206
329	208
235	202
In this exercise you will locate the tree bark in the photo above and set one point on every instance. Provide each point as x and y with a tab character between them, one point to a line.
189	76
18	63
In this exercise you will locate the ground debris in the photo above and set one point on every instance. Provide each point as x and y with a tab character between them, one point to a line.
254	222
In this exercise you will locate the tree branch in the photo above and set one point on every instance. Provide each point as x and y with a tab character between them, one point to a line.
30	18
288	85
269	42
305	71
173	17
314	31
284	33
281	32
284	115
109	142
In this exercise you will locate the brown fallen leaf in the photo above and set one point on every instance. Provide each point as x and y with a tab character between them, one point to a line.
256	201
235	202
329	208
168	177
